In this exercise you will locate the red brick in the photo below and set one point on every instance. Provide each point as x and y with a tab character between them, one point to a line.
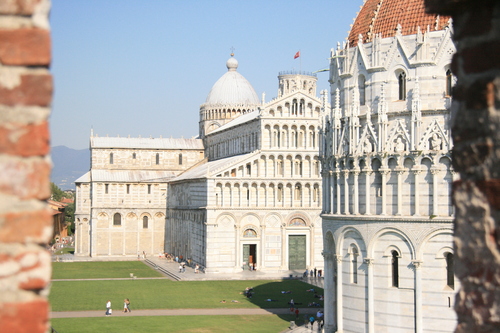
491	190
25	47
27	317
33	284
25	179
25	140
20	7
25	226
33	90
486	51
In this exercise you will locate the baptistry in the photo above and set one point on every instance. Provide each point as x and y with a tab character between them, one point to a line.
387	174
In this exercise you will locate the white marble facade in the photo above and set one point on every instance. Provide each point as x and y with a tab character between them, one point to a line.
120	202
387	177
258	198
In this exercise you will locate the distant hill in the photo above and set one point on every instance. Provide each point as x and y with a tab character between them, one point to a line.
68	165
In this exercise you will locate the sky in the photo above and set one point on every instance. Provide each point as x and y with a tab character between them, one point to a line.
144	67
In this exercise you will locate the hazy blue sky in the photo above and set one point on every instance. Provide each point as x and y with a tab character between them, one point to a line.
143	67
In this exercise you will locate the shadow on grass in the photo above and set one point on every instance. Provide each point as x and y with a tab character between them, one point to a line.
306	298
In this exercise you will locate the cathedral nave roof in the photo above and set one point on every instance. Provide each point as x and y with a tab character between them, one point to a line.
145	143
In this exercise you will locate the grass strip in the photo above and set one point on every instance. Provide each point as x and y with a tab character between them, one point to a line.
166	294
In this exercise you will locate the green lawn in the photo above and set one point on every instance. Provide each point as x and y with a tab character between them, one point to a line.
167	294
65	250
194	324
101	270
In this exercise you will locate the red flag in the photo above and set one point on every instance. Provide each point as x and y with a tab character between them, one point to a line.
296	55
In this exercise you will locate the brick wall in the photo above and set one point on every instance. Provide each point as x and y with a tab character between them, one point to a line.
25	221
476	156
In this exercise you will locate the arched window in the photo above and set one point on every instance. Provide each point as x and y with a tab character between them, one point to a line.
106	188
149	188
250	233
117	219
354	265
280	193
111	158
449	82
395	269
144	222
361	87
402	86
180	159
298	192
128	188
297	222
450	271
157	159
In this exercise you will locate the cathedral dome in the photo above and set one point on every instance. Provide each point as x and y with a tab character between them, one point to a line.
384	16
232	88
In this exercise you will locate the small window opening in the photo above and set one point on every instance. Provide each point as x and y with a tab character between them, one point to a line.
180	159
106	188
111	158
354	267
361	87
145	222
449	82
450	271
134	156
402	86
117	219
149	188
128	188
157	159
395	269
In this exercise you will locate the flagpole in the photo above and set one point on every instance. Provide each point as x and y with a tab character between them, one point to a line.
300	68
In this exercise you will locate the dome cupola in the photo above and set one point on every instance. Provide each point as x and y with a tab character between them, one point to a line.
232	89
385	17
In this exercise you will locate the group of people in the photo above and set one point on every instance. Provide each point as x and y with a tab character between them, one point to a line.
126	307
313	273
319	318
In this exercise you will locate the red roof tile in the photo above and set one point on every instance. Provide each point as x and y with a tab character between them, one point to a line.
383	16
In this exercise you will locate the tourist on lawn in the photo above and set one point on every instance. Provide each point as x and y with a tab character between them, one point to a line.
126	305
108	308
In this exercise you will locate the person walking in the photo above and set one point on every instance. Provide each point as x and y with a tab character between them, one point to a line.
319	318
108	308
126	305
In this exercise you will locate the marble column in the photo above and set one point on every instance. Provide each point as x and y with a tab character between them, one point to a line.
417	264
370	295
331	191
435	196
329	276
417	192
368	173
346	191
355	193
400	172
384	173
340	303
337	176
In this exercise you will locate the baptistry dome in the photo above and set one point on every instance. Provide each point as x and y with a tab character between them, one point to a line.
385	17
232	89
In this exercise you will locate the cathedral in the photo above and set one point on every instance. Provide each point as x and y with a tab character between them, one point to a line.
245	194
387	174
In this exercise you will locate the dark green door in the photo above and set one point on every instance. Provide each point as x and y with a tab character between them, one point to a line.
297	252
246	253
